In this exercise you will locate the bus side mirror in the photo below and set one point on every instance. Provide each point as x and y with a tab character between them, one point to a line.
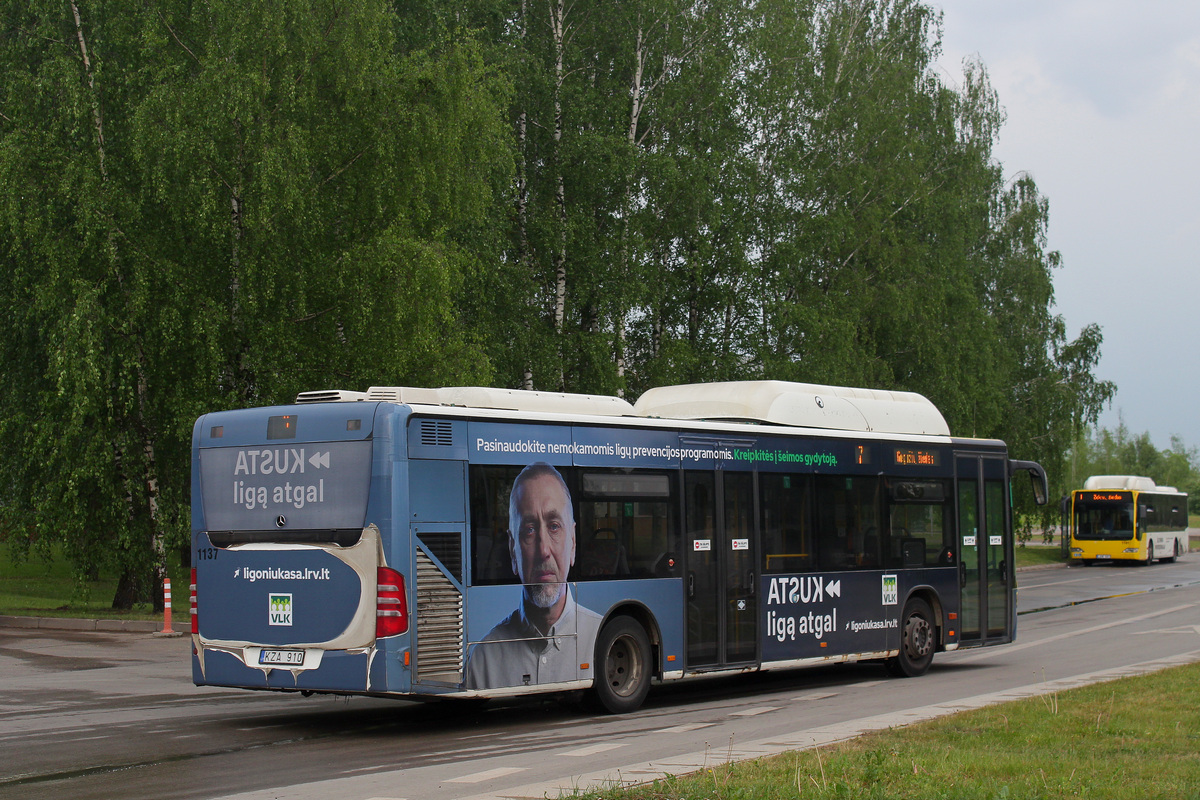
1039	488
1037	475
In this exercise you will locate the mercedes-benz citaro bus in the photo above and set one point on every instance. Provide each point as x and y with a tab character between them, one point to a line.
1127	518
478	543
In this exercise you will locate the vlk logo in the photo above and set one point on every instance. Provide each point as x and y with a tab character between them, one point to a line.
281	609
891	594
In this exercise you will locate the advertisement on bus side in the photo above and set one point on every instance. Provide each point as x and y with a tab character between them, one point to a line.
810	616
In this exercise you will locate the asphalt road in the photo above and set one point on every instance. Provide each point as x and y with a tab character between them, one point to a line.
104	715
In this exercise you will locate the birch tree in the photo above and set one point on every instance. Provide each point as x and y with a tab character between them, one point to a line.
220	205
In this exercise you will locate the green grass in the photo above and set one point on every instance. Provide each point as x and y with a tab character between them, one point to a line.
1125	740
1038	555
38	587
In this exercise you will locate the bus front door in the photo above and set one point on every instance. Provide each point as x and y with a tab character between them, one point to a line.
985	551
722	603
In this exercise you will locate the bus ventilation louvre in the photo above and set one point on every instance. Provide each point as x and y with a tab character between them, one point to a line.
391	609
439	624
437	433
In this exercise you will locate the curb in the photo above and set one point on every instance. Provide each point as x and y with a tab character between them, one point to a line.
67	624
1039	567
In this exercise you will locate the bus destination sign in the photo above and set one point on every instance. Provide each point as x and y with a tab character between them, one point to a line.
910	457
1106	497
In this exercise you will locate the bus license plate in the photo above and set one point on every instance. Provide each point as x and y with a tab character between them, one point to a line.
292	658
1100	556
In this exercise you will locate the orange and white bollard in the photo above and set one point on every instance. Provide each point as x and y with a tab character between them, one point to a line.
167	606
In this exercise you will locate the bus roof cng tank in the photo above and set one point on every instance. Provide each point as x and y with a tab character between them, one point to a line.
1124	483
481	397
803	405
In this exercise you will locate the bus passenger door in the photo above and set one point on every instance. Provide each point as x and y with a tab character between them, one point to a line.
741	578
985	549
721	581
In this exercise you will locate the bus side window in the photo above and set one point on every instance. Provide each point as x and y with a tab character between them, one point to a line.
785	501
626	524
920	534
605	555
848	520
491	559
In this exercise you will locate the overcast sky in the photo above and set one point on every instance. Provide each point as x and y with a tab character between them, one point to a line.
1102	104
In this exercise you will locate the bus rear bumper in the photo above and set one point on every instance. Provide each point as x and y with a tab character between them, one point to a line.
333	670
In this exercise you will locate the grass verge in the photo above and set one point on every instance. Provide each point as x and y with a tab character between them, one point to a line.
1038	556
37	587
1126	740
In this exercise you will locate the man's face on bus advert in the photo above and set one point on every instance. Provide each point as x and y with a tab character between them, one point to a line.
543	547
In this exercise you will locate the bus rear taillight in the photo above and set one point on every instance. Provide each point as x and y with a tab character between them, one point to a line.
192	601
391	609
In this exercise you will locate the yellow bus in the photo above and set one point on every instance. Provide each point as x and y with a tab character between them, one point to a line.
1127	517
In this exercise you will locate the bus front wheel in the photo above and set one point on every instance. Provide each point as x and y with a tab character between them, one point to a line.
918	640
622	666
1149	553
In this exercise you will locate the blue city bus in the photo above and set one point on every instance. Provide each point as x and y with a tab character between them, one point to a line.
473	543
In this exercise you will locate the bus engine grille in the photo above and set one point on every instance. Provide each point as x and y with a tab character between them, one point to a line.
439	624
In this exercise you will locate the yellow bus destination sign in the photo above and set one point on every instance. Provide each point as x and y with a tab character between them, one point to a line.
1102	497
908	457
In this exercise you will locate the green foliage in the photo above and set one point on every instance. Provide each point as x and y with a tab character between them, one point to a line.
222	204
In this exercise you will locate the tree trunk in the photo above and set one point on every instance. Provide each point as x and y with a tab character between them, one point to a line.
524	256
132	589
128	589
626	258
97	115
558	30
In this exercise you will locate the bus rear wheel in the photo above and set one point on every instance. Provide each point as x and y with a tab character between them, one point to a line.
918	640
622	666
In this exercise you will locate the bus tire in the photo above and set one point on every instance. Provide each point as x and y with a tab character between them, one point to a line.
622	666
1171	559
1149	553
918	640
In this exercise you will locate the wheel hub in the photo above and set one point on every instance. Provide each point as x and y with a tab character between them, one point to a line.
621	668
918	636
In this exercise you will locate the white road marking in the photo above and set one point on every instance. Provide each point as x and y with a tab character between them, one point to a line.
754	712
591	750
693	726
480	777
1051	583
1177	629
